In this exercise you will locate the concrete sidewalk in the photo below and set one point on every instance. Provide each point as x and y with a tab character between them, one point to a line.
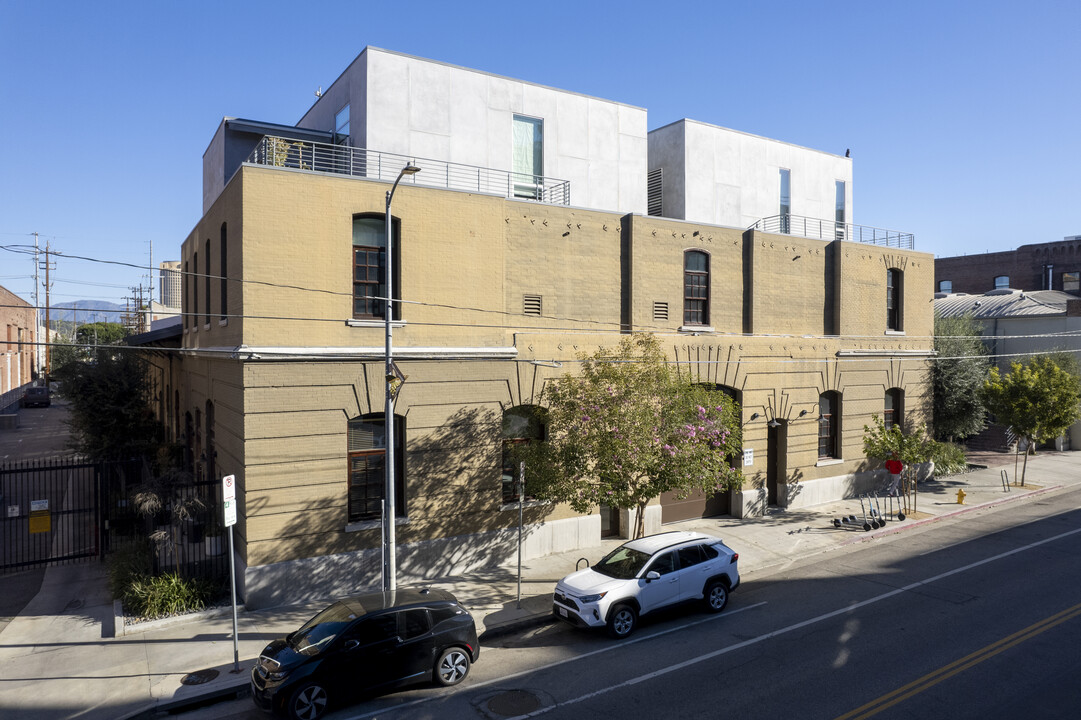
60	657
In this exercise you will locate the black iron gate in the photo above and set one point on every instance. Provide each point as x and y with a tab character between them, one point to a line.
51	512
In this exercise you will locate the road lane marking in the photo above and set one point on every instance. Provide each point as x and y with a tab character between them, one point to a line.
564	661
790	628
716	653
947	671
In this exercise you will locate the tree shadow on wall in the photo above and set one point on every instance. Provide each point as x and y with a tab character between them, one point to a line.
456	524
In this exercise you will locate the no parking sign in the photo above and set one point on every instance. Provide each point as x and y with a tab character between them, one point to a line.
228	496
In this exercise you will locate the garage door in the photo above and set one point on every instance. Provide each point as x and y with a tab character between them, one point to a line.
696	505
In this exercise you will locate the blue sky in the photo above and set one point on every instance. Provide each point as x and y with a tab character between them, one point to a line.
962	117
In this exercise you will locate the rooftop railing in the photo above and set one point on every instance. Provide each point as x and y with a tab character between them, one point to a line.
374	165
830	230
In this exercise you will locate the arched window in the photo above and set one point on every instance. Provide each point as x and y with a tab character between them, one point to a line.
367	444
522	424
894	299
211	449
695	288
1002	282
829	425
893	410
370	267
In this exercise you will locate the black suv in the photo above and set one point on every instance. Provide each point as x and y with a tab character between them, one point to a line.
367	642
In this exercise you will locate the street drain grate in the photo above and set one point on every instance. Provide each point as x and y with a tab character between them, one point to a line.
513	703
198	678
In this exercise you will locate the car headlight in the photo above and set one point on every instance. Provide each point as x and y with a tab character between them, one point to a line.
277	676
592	598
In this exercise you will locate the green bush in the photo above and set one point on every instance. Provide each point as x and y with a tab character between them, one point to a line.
127	564
167	594
949	458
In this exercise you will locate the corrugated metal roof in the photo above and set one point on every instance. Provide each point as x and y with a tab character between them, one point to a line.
1003	303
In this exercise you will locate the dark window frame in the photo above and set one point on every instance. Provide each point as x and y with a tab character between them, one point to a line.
206	282
895	279
829	424
538	432
365	306
222	285
359	505
893	409
696	290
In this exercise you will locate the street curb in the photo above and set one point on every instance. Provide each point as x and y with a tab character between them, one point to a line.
966	509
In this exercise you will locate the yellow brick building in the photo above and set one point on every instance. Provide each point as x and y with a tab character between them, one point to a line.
499	295
502	280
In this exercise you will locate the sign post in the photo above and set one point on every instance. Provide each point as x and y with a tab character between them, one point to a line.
228	497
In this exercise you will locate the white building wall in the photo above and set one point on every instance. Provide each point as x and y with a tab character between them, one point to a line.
426	109
726	177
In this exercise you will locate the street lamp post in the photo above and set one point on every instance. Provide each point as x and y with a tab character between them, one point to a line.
389	580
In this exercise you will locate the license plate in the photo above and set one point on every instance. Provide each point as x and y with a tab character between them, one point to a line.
563	612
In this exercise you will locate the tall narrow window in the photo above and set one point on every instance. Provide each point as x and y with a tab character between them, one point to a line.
522	425
195	289
186	279
206	281
893	410
527	156
786	198
829	423
695	288
370	267
894	295
341	126
839	210
223	286
367	467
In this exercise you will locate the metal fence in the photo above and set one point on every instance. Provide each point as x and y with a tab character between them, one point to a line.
374	165
50	513
820	229
66	510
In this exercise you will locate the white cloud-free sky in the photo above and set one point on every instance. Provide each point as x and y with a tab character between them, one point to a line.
962	117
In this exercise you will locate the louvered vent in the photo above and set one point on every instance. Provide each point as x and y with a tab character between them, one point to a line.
654	186
660	311
531	304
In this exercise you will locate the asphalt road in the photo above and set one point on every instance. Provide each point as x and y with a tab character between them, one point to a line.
978	617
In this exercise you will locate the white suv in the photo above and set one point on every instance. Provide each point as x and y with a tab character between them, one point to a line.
647	574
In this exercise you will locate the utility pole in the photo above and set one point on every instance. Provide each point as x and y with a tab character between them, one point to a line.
48	337
39	354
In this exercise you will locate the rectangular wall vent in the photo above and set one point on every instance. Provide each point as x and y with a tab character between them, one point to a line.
660	311
654	188
532	304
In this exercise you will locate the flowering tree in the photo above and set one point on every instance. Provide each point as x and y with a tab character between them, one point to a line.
628	429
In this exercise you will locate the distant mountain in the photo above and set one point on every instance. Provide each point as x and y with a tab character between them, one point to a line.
86	311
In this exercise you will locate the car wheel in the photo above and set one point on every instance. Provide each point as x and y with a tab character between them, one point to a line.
452	667
716	596
308	702
622	621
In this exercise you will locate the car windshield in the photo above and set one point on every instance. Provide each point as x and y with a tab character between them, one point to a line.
622	563
320	631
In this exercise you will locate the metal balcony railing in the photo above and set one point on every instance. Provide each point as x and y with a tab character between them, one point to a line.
374	165
830	230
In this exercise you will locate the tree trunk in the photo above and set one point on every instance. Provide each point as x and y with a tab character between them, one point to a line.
1024	465
640	520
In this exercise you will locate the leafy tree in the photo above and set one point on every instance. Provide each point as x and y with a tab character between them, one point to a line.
957	378
101	333
110	417
1039	400
78	348
912	448
628	429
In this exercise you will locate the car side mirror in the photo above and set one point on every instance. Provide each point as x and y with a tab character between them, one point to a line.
351	644
652	575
